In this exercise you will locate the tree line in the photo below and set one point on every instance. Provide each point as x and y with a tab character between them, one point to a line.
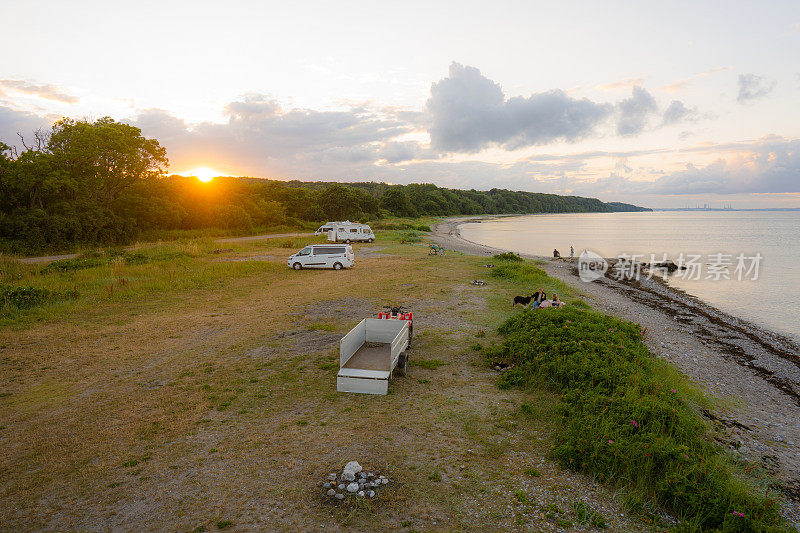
102	182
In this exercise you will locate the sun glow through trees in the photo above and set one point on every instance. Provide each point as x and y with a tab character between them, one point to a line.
204	174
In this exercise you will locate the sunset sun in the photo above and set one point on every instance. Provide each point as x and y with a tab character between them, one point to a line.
204	174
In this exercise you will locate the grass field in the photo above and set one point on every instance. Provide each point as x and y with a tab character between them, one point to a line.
172	387
191	386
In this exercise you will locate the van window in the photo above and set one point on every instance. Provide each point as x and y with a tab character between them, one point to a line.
304	251
326	229
328	250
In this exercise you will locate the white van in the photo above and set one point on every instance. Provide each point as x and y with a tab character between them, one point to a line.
351	232
335	256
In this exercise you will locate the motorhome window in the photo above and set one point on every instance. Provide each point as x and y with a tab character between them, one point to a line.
353	231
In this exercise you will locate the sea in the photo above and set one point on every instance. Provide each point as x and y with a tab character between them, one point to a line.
746	263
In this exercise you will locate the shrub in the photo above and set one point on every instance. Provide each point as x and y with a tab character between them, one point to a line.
87	260
507	256
23	297
622	420
410	237
424	227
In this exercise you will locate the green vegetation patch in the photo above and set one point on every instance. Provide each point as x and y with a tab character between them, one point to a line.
507	256
623	421
430	364
29	297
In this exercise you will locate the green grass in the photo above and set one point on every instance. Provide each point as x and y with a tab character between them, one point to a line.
430	364
31	293
623	418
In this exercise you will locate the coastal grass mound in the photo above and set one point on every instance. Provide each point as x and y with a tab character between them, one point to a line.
624	418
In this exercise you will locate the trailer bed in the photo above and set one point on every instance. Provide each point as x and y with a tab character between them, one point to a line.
369	353
371	356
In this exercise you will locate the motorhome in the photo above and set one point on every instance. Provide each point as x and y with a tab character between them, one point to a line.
335	256
346	231
325	228
351	232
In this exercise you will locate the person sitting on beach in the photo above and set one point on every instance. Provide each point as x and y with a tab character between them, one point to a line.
538	297
556	302
556	255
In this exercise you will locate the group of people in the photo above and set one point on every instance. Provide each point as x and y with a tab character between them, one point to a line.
557	254
540	300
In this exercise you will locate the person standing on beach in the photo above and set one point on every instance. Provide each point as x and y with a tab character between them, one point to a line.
571	251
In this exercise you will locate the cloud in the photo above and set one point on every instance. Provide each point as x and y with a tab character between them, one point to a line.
635	111
48	92
678	86
752	87
714	70
678	112
13	122
262	138
469	112
627	83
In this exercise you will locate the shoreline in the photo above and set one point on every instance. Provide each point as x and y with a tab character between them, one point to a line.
728	357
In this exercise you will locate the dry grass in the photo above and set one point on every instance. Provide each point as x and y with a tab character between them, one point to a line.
186	406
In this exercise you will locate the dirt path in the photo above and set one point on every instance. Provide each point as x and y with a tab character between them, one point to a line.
250	238
756	377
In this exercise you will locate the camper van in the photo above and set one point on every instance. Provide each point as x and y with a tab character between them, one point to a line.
325	228
335	256
351	232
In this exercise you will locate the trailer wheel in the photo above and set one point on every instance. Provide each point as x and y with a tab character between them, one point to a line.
337	266
297	266
402	364
370	240
347	241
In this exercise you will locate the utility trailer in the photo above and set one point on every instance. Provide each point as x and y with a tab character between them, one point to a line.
369	353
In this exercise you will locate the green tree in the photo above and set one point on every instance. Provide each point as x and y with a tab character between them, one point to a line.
105	158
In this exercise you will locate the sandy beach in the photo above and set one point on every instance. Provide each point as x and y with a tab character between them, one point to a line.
754	374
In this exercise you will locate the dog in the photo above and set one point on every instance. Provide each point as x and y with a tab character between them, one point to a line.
522	300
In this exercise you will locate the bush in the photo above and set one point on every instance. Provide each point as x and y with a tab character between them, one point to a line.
507	256
23	297
410	237
29	297
623	421
87	260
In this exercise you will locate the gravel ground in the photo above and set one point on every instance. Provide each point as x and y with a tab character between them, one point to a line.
754	372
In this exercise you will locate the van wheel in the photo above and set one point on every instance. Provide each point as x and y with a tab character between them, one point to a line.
297	266
402	364
337	266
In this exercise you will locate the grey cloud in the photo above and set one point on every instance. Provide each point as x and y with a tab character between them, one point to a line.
469	112
398	152
264	139
49	92
678	112
771	166
752	87
635	111
13	122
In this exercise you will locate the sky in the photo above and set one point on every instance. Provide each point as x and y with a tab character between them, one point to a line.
662	104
